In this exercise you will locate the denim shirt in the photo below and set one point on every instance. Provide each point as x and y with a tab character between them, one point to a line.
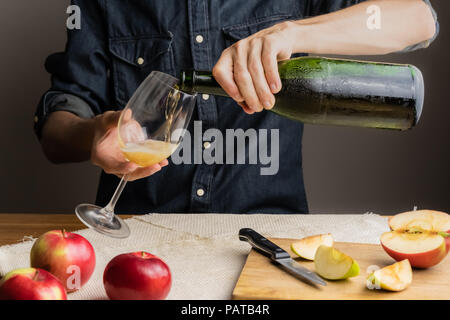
121	42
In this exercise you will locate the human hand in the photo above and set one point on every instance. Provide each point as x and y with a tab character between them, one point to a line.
106	152
248	70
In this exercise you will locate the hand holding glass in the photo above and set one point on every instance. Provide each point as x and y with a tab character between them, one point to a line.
150	129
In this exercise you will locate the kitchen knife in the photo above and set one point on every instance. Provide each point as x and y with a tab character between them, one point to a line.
278	255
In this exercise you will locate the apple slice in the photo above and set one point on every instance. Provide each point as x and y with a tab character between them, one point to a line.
332	264
396	277
425	219
419	236
307	247
422	248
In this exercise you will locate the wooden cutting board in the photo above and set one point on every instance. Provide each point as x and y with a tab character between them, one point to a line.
262	279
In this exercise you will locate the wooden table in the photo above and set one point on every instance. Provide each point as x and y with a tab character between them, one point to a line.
14	227
194	228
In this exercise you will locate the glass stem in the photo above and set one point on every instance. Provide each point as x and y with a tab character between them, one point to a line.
108	211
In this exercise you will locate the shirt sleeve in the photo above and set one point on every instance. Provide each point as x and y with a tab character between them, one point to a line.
79	75
318	7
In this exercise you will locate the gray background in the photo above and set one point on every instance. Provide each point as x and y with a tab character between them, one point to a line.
346	170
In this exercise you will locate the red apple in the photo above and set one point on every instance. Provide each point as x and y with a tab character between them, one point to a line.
419	236
68	256
137	276
31	284
447	239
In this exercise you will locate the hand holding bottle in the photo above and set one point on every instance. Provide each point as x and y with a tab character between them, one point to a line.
248	70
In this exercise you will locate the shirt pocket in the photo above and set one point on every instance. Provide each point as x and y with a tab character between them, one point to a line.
238	32
241	31
133	59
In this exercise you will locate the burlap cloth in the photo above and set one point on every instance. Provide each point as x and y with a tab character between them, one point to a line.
202	250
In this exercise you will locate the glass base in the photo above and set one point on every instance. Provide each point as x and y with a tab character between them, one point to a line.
91	216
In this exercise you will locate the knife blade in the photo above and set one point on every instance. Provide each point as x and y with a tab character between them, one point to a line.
278	255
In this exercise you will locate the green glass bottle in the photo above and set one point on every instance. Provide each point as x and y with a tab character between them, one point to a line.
337	92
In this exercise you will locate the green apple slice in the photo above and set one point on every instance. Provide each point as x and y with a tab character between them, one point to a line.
307	247
396	277
332	264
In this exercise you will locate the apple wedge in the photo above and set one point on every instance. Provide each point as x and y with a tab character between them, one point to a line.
396	277
424	219
429	220
423	249
332	264
419	236
306	248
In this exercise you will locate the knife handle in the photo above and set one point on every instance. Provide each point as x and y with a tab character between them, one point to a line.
262	244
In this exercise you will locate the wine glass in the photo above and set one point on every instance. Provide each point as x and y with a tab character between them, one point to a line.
149	130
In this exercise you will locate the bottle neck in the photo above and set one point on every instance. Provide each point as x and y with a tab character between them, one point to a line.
202	82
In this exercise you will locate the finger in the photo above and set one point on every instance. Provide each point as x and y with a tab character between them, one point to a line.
256	70
127	167
120	168
270	65
127	113
110	119
223	74
143	172
246	108
243	79
136	172
164	163
132	131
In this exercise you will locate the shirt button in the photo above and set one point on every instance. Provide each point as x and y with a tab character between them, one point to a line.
199	38
205	96
200	192
36	119
140	61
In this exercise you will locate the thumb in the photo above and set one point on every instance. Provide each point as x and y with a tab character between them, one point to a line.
110	119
